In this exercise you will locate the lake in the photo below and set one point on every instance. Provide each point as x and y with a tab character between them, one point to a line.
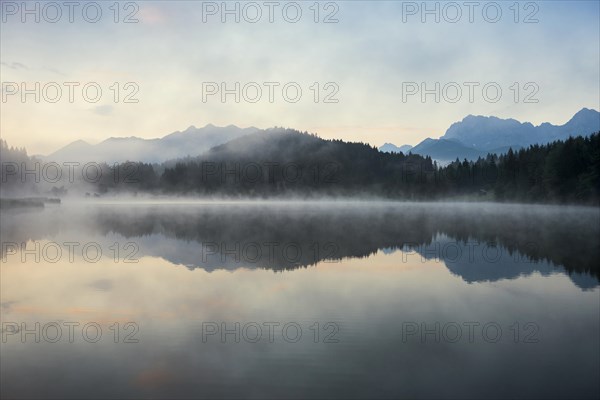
300	300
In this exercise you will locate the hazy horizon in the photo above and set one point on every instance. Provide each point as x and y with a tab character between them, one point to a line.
100	140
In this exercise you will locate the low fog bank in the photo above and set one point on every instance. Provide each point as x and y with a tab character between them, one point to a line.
537	238
361	202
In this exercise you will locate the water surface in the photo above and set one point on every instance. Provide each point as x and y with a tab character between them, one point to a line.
331	299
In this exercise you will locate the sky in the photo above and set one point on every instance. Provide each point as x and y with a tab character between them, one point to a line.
369	71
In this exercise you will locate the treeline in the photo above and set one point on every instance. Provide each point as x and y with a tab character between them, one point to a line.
563	171
283	162
12	160
287	162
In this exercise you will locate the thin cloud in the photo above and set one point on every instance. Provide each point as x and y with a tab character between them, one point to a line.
15	65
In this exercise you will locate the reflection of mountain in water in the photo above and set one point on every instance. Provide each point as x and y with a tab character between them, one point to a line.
494	241
476	261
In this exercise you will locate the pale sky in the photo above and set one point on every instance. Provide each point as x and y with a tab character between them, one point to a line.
375	50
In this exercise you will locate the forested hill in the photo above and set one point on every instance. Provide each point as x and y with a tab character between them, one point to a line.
285	161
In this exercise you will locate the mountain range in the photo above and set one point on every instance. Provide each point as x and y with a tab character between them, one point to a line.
473	137
476	136
392	148
191	142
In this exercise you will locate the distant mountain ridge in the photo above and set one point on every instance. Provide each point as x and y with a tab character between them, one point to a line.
392	148
190	142
476	136
487	133
473	137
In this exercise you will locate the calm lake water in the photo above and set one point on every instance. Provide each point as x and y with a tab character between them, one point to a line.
300	300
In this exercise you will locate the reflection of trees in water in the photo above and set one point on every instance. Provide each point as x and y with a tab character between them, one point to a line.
566	237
